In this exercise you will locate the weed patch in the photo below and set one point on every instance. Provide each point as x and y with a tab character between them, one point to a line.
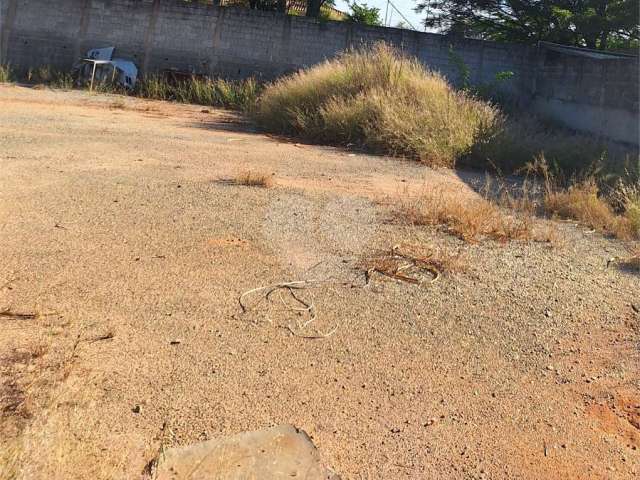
515	141
632	262
583	202
254	179
378	100
52	77
464	215
238	95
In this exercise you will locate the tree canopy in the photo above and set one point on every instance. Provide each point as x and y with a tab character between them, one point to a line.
599	24
364	14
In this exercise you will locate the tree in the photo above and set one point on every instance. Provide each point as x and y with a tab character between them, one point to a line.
313	8
587	23
364	14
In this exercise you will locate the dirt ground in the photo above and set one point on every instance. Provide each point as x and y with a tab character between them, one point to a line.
121	232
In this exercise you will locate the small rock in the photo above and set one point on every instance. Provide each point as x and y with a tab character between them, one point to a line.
136	409
395	430
175	341
635	308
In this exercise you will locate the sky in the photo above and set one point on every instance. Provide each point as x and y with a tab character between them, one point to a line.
405	6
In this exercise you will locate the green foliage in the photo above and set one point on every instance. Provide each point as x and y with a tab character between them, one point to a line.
492	91
598	24
378	100
6	74
464	72
364	14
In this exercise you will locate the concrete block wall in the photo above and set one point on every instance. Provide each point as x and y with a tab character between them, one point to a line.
583	93
593	95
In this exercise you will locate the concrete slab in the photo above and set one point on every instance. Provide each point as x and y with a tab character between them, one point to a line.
271	454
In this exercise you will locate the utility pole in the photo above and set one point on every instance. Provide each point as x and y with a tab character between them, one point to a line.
386	12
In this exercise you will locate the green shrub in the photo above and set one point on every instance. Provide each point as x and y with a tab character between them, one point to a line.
379	100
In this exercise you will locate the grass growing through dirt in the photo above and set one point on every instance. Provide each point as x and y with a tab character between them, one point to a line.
254	179
465	215
215	92
583	202
379	100
616	212
632	262
52	77
237	95
627	196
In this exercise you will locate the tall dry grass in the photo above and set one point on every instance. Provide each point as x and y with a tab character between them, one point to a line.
379	100
627	198
584	202
215	92
466	215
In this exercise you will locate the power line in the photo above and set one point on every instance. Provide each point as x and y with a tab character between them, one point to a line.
387	18
389	2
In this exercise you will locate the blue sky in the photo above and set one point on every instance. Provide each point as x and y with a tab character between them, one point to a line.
405	6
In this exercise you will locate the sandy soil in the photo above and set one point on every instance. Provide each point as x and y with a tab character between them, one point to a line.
118	227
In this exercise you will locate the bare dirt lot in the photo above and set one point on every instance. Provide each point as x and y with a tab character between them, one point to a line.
125	246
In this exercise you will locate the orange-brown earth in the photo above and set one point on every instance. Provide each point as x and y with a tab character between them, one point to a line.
120	233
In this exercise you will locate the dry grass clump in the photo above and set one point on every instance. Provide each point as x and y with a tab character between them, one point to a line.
627	196
465	215
582	201
118	104
377	99
632	262
413	264
249	178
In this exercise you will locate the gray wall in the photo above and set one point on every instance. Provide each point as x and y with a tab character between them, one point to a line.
598	96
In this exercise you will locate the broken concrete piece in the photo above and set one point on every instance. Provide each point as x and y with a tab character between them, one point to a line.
271	454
